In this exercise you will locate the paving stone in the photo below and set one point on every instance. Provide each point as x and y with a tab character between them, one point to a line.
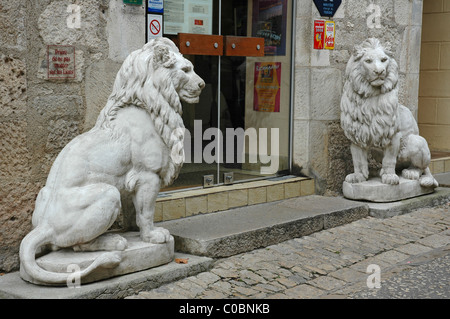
245	291
250	277
435	241
392	257
213	294
225	273
191	289
348	275
327	283
288	283
221	286
304	291
268	288
413	249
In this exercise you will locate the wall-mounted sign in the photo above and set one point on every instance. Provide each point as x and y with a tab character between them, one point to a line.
154	26
155	6
329	35
133	2
188	16
327	8
319	34
267	87
61	62
324	35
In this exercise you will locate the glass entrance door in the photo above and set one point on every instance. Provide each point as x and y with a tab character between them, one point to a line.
240	129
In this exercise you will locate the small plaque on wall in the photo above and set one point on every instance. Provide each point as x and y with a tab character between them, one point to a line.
60	62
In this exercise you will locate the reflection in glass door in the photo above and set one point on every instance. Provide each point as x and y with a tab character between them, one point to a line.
242	123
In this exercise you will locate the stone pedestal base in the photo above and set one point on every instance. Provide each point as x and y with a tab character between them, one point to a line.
374	191
137	257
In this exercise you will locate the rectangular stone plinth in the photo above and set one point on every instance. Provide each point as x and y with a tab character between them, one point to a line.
374	190
137	257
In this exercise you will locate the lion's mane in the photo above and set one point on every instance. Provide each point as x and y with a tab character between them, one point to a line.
369	114
145	81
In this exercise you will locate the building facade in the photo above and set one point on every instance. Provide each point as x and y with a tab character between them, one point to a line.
59	59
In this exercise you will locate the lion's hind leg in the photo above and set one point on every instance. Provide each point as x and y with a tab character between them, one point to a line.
415	151
89	212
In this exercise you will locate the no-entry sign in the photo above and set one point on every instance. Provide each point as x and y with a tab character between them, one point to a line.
154	26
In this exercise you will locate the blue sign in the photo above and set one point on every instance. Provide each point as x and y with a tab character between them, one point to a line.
155	6
327	8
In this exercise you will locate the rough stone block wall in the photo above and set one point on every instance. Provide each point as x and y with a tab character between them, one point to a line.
320	148
39	115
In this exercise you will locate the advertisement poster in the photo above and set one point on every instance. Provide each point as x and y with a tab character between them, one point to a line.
329	35
188	16
269	22
267	87
319	34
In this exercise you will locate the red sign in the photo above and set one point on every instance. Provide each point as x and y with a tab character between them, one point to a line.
155	27
319	34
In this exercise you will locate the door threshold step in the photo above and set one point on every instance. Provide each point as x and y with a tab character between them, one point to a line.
243	229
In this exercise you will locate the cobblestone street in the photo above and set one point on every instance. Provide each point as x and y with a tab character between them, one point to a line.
328	264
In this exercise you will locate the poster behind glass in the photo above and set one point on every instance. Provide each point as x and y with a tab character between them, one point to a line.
269	22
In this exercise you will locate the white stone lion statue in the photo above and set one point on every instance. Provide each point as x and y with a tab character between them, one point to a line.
372	118
136	146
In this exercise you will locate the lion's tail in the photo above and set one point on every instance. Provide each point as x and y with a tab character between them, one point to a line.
32	272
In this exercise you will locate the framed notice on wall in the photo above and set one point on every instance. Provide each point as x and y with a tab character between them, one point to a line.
267	87
188	16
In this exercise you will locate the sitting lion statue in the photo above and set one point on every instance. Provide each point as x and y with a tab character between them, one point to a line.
373	119
136	146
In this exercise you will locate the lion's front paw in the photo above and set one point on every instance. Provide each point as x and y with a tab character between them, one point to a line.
157	235
412	173
355	178
390	179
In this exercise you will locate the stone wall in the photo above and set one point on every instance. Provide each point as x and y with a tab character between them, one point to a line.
38	115
320	149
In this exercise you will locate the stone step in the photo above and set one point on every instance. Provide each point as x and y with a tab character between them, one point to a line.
443	179
239	230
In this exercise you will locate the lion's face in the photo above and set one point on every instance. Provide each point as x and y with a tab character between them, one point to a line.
374	65
187	83
372	70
